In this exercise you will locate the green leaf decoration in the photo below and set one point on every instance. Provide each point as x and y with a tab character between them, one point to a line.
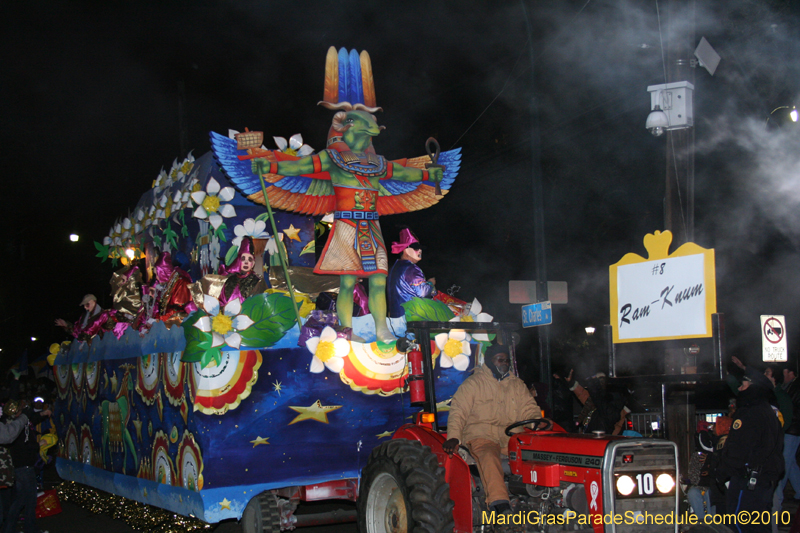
263	216
212	354
171	235
425	309
309	248
197	342
102	251
272	316
180	220
220	232
230	257
157	241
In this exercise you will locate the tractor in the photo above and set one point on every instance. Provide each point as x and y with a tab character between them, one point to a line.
557	481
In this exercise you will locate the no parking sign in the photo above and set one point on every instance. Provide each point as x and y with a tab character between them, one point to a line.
773	338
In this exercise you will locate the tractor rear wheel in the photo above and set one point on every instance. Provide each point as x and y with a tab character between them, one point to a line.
402	490
262	514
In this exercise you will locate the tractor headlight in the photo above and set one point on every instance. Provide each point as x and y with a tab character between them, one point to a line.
625	485
664	483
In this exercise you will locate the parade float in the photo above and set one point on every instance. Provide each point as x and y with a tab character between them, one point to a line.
204	388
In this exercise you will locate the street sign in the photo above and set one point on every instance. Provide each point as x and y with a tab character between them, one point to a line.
537	315
773	339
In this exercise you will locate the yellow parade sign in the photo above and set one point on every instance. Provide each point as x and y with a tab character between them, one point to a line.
664	296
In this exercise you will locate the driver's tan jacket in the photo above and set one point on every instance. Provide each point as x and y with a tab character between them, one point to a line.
483	407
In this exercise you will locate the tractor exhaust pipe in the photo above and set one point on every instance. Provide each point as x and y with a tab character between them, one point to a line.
337	516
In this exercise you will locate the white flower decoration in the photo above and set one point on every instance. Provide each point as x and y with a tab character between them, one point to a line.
163	207
173	172
272	244
328	350
116	235
295	145
474	314
149	216
187	165
138	224
108	240
250	228
455	349
162	181
178	202
210	206
188	188
225	327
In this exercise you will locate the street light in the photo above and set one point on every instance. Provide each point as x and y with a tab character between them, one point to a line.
589	330
33	339
782	116
74	237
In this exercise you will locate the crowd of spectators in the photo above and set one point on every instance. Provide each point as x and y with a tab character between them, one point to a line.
27	447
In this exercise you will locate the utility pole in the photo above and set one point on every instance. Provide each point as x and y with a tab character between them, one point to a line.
679	204
540	258
679	186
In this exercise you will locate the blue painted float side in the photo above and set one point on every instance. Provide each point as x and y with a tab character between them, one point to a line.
287	427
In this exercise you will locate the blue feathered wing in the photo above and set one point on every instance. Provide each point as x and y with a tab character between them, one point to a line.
312	194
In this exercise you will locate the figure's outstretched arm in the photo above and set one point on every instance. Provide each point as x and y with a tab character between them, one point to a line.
309	164
411	174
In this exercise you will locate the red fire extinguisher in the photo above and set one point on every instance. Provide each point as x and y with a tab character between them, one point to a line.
416	378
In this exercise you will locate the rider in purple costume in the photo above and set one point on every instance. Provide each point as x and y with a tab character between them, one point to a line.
406	280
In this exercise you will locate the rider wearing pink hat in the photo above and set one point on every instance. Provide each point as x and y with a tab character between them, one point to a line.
406	280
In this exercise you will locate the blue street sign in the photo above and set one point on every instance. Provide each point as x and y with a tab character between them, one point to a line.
537	315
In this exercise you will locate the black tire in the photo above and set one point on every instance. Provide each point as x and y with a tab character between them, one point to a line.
402	490
262	515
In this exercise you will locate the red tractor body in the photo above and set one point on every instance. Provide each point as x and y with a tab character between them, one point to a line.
557	481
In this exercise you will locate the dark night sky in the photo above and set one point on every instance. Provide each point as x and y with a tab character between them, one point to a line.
90	95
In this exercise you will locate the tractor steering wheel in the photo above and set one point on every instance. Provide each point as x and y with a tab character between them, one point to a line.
535	421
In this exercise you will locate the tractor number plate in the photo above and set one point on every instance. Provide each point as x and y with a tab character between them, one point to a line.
542	474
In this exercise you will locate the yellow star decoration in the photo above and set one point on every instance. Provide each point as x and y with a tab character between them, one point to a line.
277	387
315	411
225	504
292	233
384	434
259	440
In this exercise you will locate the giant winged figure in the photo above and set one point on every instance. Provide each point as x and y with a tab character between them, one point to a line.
347	178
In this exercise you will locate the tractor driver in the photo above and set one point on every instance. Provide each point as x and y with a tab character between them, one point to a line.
482	407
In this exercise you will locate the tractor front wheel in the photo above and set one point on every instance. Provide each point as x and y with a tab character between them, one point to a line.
402	490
